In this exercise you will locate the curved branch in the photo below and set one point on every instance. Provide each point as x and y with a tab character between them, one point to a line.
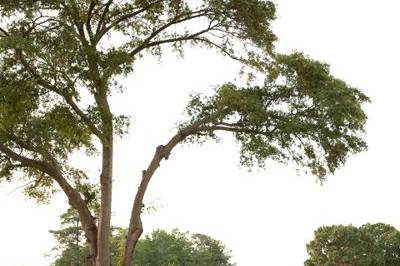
162	152
179	39
222	49
75	199
147	42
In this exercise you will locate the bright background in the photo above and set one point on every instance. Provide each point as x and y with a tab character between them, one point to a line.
264	217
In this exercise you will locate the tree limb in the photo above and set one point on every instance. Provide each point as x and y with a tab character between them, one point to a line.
162	152
75	199
222	49
147	42
89	18
101	22
6	34
83	116
102	30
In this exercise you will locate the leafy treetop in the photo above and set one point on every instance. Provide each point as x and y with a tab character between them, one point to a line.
370	244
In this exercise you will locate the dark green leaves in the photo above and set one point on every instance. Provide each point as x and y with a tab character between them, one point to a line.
16	42
251	18
370	244
158	249
176	248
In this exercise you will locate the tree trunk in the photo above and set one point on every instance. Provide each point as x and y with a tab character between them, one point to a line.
103	235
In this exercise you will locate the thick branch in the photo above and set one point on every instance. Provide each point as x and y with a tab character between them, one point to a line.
75	199
78	25
162	152
89	18
101	22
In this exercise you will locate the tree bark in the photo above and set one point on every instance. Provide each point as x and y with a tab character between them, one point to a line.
103	235
135	229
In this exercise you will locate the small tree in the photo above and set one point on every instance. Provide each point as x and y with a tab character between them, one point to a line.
70	241
61	61
371	244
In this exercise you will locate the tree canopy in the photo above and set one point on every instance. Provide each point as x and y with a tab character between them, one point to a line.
370	244
61	61
160	248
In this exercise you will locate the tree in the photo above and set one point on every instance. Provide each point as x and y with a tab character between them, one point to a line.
161	248
176	248
61	61
71	246
370	244
71	241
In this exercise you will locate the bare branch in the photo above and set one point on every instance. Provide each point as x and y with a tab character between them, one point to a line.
233	129
24	185
222	49
147	42
6	34
101	30
179	39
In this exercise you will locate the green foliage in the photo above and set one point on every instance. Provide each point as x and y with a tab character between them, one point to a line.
161	248
54	54
300	114
60	61
166	249
370	244
70	241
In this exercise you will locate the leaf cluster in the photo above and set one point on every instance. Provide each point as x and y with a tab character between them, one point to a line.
177	248
301	114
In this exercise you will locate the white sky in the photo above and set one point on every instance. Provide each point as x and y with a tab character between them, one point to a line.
264	217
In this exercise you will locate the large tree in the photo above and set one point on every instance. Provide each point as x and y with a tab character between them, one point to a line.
61	61
368	245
